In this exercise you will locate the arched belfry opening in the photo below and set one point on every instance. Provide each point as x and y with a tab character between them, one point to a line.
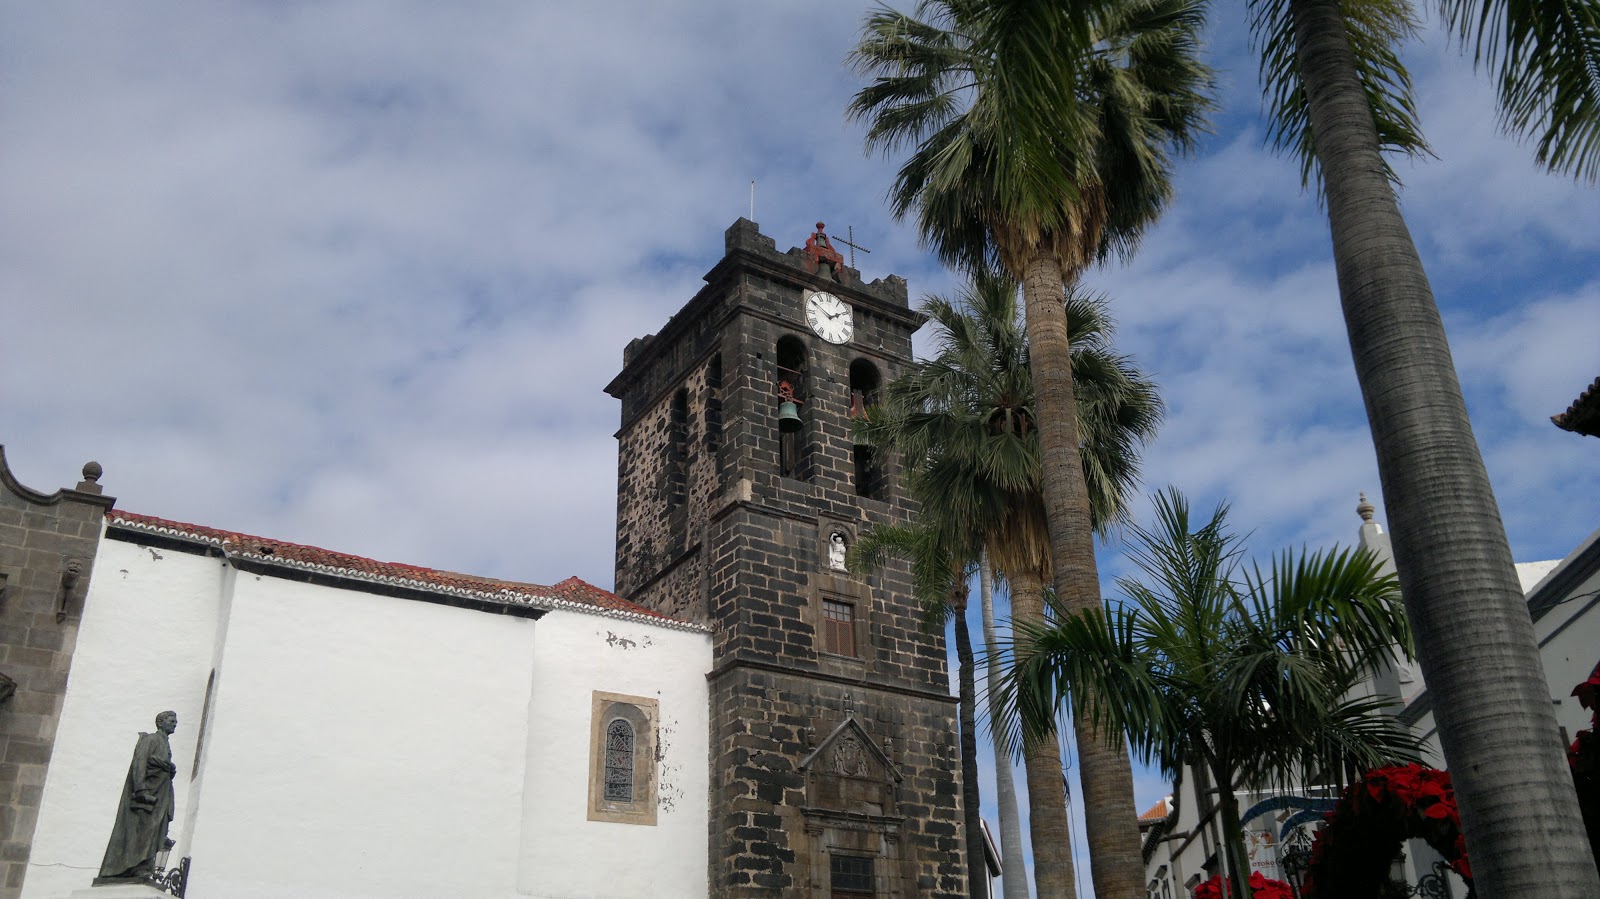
865	388
790	407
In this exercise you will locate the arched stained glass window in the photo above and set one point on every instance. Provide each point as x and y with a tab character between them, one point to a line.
619	761
622	759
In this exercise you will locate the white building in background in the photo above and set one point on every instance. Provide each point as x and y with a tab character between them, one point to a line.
1182	844
350	728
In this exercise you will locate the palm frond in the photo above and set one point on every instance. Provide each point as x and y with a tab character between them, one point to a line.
1260	675
1375	29
1545	57
1020	139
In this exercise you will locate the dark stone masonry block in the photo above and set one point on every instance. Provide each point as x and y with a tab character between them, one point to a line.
39	533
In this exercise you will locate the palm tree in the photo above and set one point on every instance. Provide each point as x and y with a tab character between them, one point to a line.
1341	97
1005	790
991	181
1216	666
964	425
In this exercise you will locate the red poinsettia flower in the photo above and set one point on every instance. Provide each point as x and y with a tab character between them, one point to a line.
1586	691
1438	811
1460	864
1260	888
1421	800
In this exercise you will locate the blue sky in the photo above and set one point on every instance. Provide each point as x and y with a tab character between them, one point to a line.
353	274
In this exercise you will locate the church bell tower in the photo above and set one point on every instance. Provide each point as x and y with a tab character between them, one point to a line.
834	759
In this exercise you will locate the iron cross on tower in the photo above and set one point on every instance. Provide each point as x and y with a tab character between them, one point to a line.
850	242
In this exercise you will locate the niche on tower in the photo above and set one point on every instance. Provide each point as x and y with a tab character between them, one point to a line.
865	386
792	410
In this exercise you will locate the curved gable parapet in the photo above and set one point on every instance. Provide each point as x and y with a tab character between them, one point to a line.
81	493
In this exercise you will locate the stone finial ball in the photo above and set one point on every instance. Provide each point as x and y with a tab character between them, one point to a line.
819	226
1365	509
92	471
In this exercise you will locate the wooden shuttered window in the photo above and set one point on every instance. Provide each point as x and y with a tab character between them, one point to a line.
839	627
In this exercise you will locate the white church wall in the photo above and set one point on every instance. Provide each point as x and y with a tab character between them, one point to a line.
144	645
363	746
577	654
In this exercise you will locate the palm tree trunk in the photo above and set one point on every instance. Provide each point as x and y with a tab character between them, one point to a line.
977	867
1048	825
1474	637
1238	860
1016	885
1106	777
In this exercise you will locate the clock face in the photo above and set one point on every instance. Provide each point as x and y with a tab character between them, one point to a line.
831	317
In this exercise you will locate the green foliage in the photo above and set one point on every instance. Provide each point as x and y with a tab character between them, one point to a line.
1019	139
1254	677
1544	55
940	563
1376	28
1250	674
963	423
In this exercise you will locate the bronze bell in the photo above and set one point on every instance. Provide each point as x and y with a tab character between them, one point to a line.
859	418
788	417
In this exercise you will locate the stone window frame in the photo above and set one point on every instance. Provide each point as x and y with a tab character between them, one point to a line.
832	833
861	605
642	714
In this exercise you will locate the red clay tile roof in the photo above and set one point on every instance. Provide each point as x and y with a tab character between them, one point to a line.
1583	416
570	591
1156	812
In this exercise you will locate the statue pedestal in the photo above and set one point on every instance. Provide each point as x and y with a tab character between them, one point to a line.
119	891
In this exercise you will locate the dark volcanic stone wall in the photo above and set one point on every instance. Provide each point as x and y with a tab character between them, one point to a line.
666	481
764	840
815	754
47	549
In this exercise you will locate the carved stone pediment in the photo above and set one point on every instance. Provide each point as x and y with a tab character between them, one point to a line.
848	772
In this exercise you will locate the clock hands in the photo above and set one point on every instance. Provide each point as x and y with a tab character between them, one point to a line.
829	318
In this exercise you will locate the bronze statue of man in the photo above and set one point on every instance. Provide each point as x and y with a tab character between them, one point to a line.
145	809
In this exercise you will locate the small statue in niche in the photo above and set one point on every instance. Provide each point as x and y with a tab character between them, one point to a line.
836	551
145	809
